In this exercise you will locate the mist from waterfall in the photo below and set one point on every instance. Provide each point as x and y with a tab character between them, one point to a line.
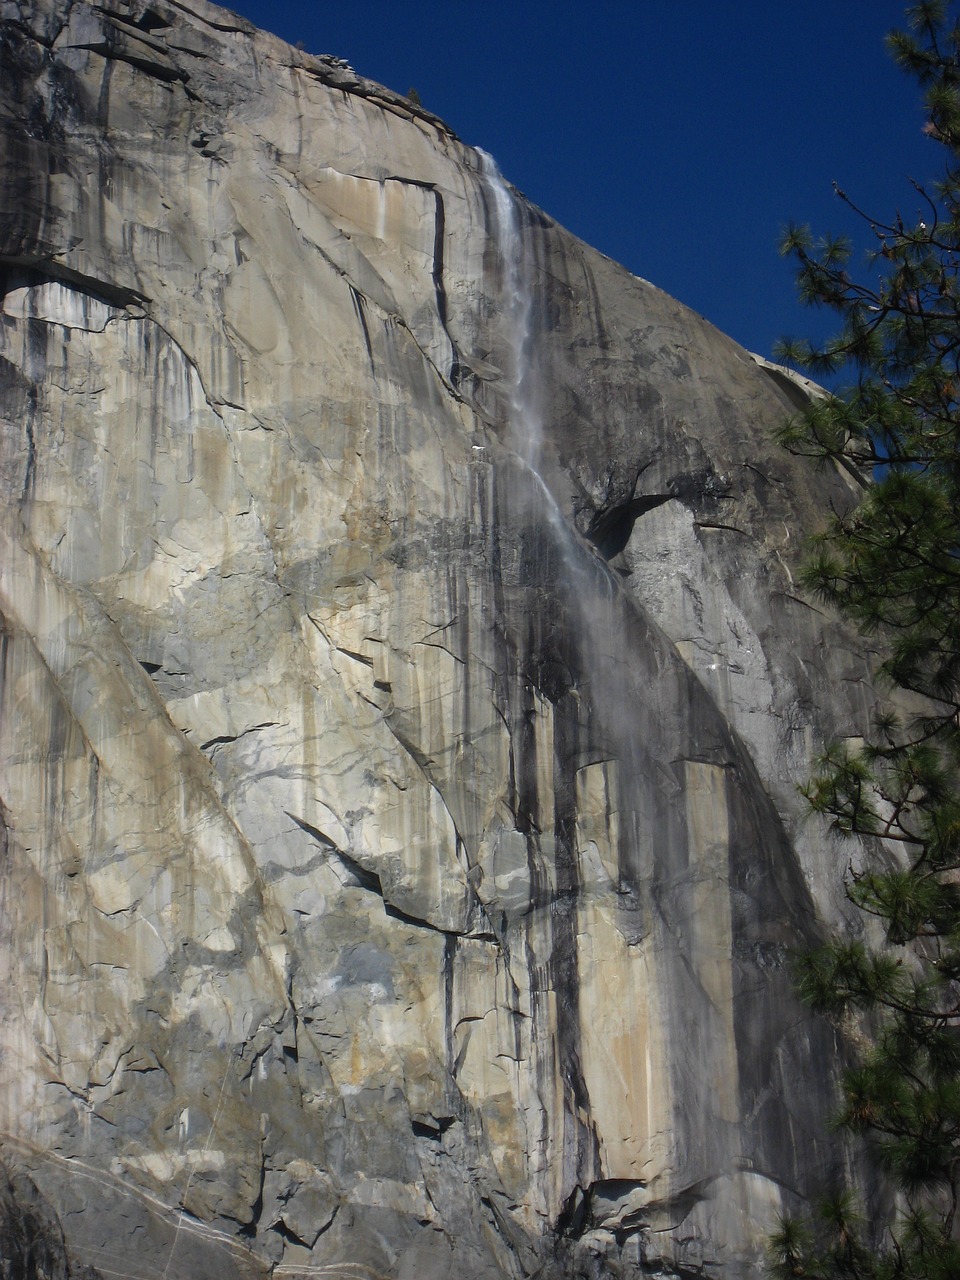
599	617
585	589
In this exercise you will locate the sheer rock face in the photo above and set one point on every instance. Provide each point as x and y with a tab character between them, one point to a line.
403	698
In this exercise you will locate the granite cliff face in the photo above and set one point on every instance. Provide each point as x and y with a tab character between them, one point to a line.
403	697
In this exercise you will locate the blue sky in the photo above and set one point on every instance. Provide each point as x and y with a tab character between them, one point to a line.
676	136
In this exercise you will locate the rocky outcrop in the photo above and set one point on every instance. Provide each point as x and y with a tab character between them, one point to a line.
404	695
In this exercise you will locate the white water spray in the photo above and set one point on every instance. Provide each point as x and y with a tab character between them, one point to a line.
526	427
521	374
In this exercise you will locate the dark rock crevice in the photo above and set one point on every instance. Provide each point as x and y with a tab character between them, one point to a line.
27	271
358	301
364	878
224	738
123	48
148	20
610	528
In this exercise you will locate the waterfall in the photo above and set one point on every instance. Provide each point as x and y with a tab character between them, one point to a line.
526	427
583	580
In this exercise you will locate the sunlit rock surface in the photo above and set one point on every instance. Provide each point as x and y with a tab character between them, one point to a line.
404	696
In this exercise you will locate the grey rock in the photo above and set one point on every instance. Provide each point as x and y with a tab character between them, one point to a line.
404	693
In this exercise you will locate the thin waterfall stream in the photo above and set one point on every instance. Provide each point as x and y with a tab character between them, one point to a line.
526	423
522	392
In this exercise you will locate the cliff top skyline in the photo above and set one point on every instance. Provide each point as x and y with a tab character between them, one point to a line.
677	139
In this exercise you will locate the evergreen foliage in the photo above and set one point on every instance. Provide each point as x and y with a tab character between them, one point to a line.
892	566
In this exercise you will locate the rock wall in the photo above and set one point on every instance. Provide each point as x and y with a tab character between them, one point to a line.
404	693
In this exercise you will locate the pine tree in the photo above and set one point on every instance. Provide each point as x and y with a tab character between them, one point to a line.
892	566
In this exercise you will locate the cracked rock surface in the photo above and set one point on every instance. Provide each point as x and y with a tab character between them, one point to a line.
404	693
